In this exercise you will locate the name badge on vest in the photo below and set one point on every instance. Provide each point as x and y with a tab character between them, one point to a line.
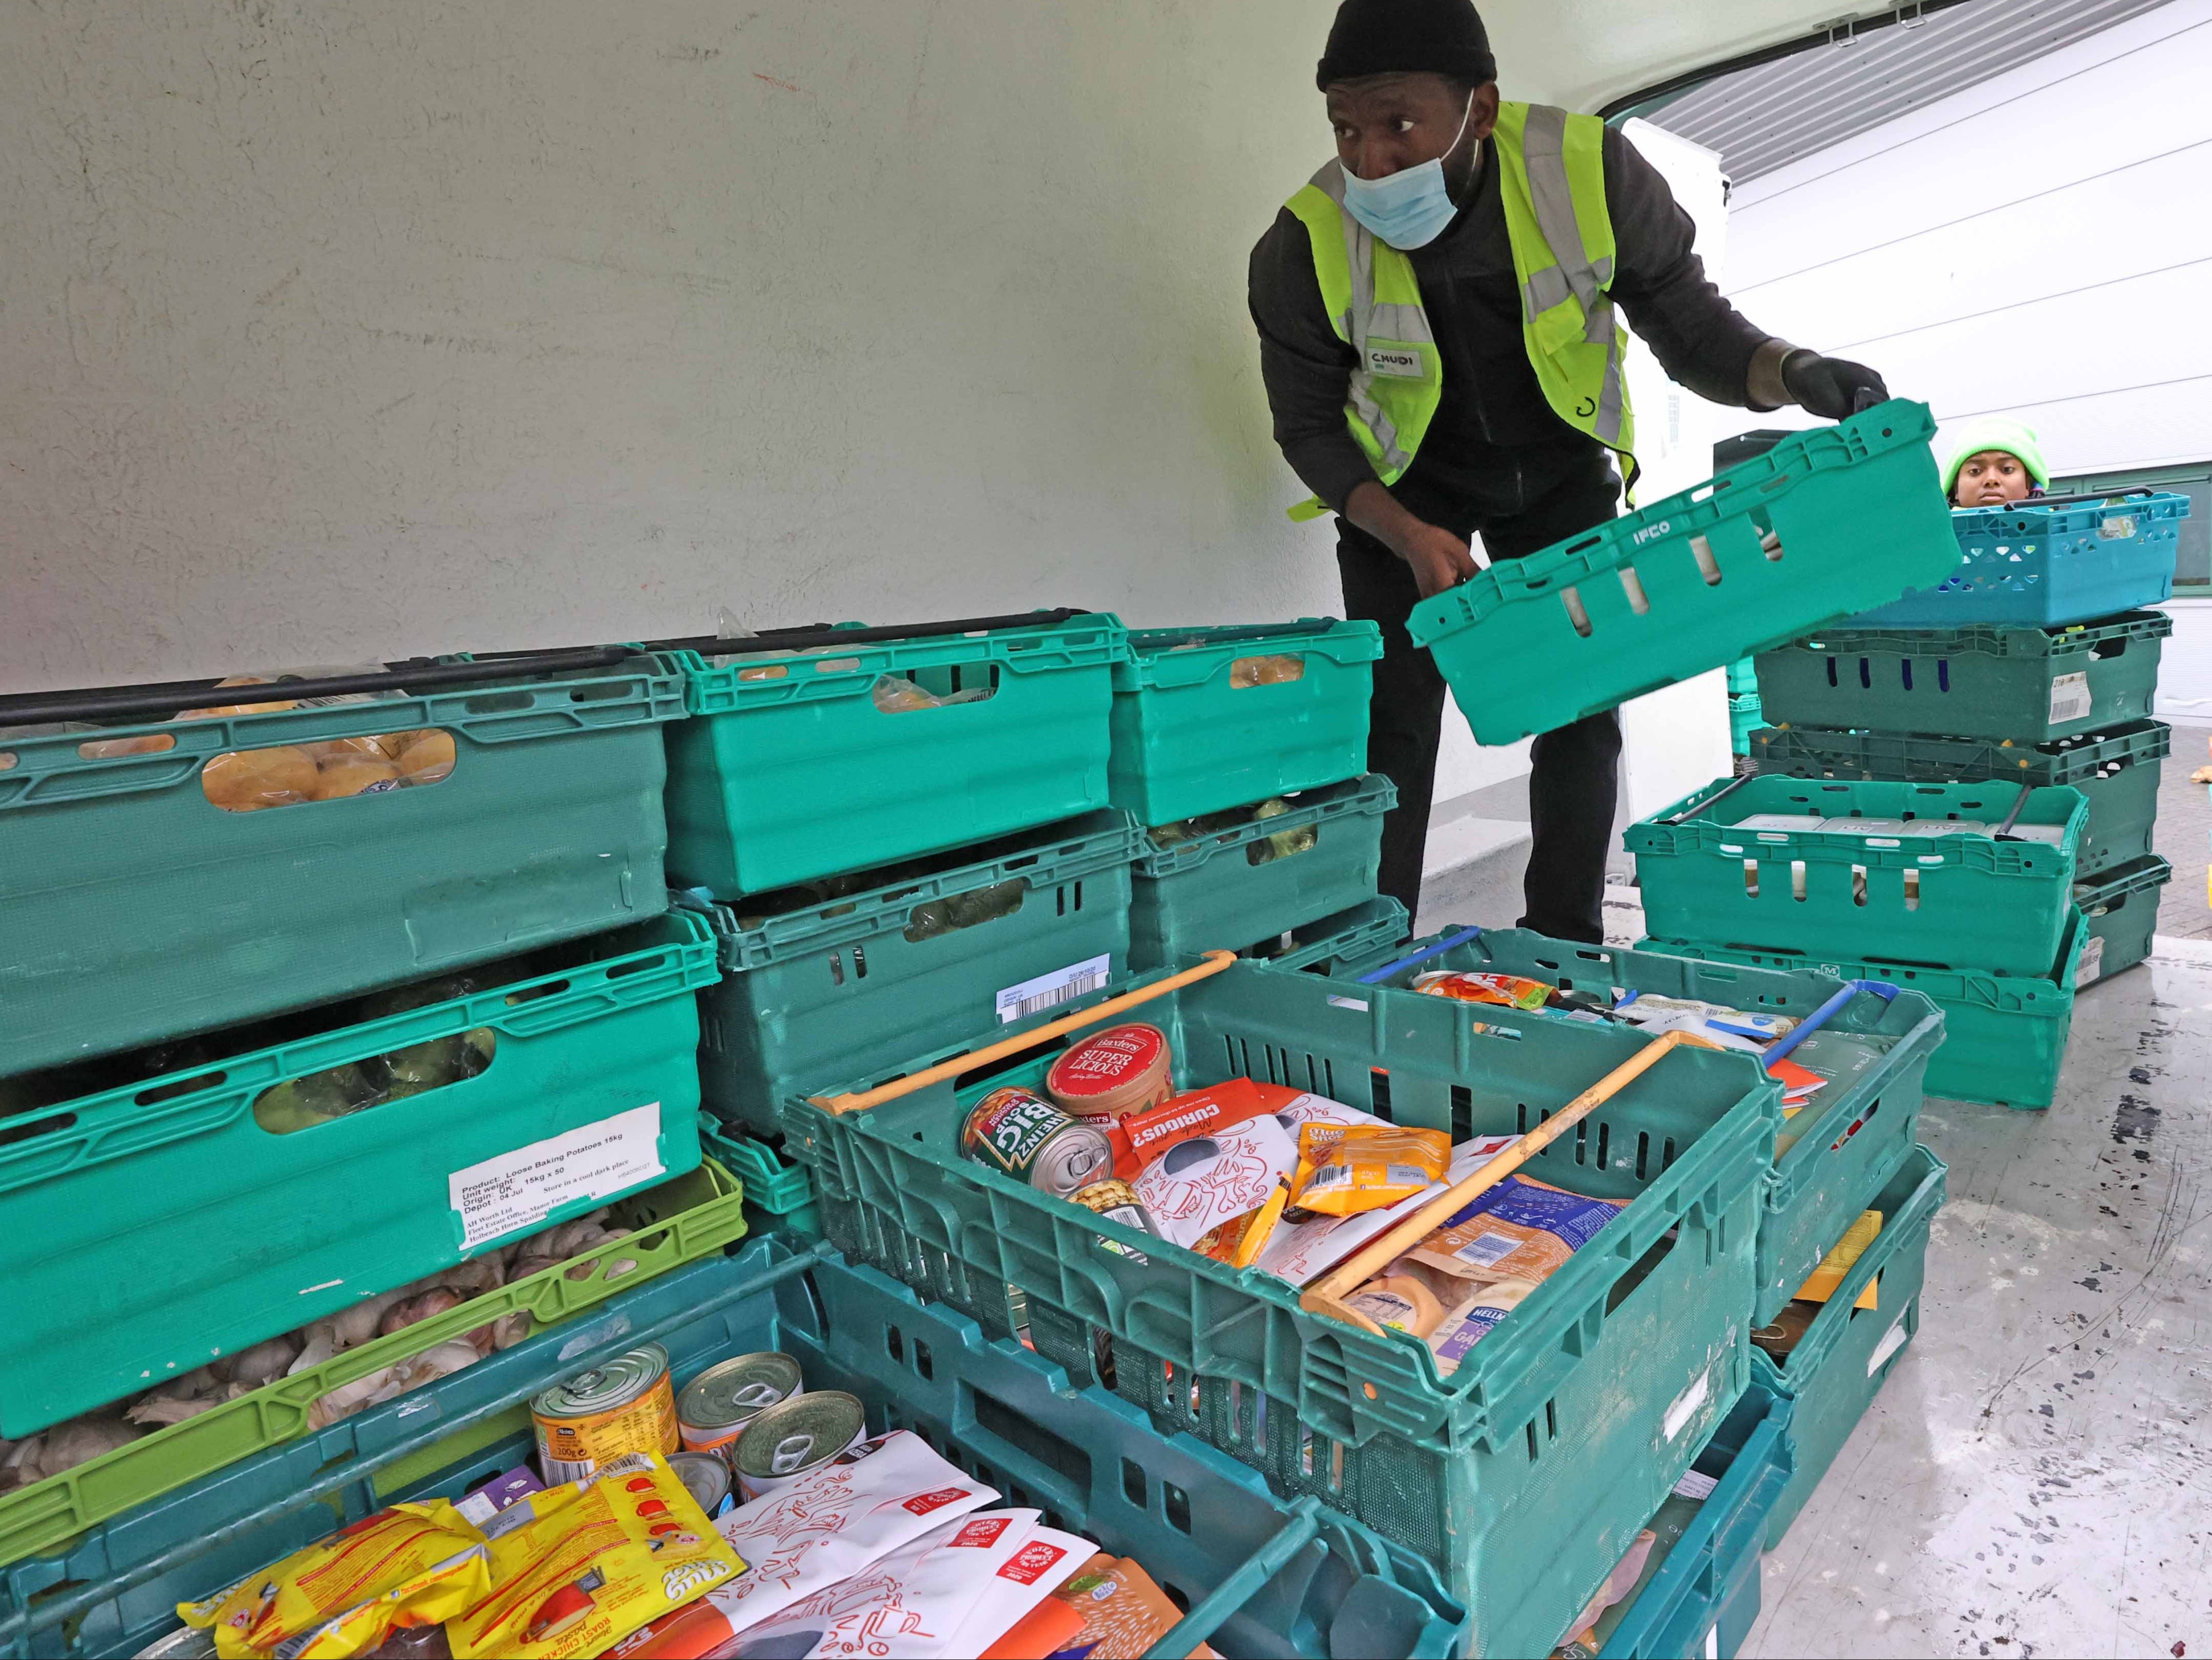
1397	362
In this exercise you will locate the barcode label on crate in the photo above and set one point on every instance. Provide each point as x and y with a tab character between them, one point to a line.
520	1190
1061	985
2091	968
2070	698
1694	1485
1488	1250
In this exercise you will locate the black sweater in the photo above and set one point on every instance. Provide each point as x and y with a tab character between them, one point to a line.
1495	444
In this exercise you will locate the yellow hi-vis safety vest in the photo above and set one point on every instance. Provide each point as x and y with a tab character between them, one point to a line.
1551	180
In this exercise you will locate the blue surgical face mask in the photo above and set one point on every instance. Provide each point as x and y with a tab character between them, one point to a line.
1408	209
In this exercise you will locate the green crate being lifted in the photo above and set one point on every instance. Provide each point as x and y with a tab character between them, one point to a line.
2027	684
803	763
1967	876
134	907
224	1202
2116	769
1210	718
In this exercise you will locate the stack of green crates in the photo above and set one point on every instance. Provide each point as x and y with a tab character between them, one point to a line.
1744	716
1241	752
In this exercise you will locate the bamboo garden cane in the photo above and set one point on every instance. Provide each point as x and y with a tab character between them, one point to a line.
1327	1296
1215	962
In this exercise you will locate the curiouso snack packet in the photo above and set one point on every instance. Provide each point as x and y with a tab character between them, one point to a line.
412	1565
1346	1168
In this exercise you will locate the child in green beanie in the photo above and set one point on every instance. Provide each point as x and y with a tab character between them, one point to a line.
1997	462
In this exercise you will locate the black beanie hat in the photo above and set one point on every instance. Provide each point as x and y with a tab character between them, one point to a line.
1388	37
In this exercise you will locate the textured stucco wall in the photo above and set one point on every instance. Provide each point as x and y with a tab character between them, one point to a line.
341	332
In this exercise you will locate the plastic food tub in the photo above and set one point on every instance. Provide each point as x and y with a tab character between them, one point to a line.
1231	889
2049	561
2116	770
1210	718
134	909
2027	684
1888	871
865	978
1829	1157
1824	524
152	1227
1523	1477
790	770
1260	1576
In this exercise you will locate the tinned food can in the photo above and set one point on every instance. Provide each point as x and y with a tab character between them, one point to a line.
720	1401
1020	1132
1117	1201
794	1438
626	1406
707	1479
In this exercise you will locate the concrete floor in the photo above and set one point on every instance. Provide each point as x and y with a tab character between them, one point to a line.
2036	1476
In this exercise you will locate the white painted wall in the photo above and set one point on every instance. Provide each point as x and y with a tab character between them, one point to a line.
2038	245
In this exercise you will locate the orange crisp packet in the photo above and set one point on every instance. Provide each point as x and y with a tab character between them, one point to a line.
1344	1169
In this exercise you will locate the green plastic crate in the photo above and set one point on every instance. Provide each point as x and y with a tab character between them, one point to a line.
2120	910
1208	894
1188	741
1824	524
1324	947
2004	1036
778	1194
133	910
1739	879
1845	1356
1525	1476
1260	1576
2027	684
2116	770
788	771
1828	1157
673	1223
156	1226
859	981
1743	678
1744	718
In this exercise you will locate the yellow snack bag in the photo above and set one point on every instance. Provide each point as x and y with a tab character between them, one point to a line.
584	1565
1344	1169
413	1564
1828	1278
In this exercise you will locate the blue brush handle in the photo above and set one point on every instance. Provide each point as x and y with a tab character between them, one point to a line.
1421	956
1819	1018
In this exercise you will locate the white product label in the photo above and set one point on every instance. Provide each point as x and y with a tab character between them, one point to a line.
520	1190
2070	698
1686	1404
1694	1485
1061	985
1399	363
2092	965
1892	1340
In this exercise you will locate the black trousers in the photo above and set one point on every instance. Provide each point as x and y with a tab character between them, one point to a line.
1574	784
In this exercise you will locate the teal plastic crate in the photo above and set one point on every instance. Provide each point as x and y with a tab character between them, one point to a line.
1703	1599
1194	732
778	1193
1742	676
868	978
1259	1577
2046	562
1744	718
1845	1356
2115	769
1324	947
1828	1157
1525	1475
788	771
1862	881
2004	1036
2120	912
1229	891
134	909
2030	686
158	1225
1824	524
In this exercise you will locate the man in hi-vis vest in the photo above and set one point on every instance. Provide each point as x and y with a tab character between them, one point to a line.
1442	349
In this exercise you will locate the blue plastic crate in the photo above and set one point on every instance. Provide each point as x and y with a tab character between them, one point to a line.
2047	563
1260	1576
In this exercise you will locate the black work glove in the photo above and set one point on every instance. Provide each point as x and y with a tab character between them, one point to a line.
1831	388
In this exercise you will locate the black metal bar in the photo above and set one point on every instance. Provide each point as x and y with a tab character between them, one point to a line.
174	696
2003	831
711	645
1717	795
2078	498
